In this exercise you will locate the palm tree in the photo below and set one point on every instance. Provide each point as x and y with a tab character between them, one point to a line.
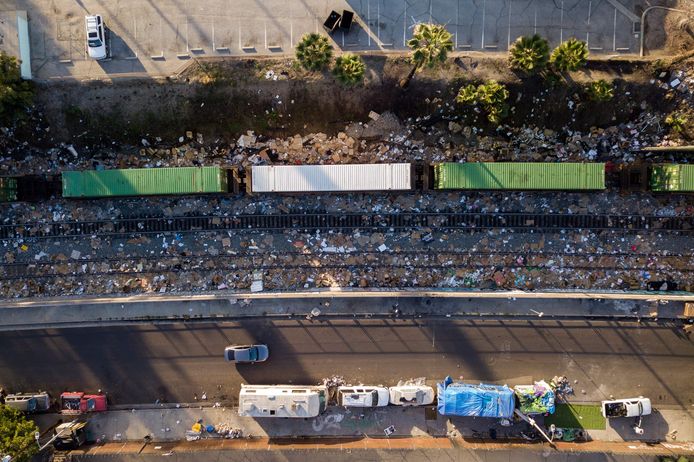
314	51
529	53
570	55
600	90
430	45
349	69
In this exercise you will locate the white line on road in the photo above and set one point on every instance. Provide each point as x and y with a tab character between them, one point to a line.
368	19
509	24
590	5
561	24
404	27
484	8
614	32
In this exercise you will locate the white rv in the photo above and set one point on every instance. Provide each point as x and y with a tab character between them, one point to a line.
294	401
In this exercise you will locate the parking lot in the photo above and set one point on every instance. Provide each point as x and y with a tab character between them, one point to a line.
158	37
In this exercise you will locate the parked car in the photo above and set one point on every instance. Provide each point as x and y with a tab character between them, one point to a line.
628	407
246	353
411	395
362	396
96	37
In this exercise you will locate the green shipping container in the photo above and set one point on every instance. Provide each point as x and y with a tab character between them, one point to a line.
8	189
520	176
144	182
672	177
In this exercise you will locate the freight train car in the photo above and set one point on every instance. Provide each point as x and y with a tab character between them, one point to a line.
672	178
330	178
148	182
563	176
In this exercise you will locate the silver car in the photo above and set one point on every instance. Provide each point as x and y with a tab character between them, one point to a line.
246	353
96	37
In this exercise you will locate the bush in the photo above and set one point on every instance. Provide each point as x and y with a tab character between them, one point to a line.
15	92
600	90
314	51
349	69
492	96
16	435
570	55
529	54
676	122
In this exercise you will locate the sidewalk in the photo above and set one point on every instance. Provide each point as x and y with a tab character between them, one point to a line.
168	423
36	313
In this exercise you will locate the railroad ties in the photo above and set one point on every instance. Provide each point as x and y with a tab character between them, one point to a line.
349	221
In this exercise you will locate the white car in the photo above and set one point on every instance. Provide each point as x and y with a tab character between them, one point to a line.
629	407
96	37
411	395
362	396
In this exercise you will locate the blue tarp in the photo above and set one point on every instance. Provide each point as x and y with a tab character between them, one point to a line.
466	400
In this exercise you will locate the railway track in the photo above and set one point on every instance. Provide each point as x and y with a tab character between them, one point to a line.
286	261
523	222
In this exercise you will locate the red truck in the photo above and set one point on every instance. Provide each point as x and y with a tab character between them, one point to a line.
77	402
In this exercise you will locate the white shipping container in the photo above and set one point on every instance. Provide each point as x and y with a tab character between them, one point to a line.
324	178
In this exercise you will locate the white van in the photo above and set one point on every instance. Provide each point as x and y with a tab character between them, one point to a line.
294	401
362	396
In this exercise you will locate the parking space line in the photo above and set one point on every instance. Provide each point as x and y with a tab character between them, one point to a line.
535	27
213	41
484	8
404	27
265	27
291	34
509	24
457	21
368	20
590	5
431	6
614	32
561	23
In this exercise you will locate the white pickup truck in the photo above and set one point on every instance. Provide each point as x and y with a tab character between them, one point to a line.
629	407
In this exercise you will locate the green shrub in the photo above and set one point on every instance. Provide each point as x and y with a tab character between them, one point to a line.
492	96
529	53
349	69
314	51
676	122
570	55
600	90
15	93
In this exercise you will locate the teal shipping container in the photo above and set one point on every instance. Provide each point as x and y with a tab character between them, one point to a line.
562	176
145	182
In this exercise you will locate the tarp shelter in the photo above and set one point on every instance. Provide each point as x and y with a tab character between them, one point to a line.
467	400
535	399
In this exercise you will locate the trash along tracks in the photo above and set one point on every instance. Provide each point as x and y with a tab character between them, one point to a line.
350	221
431	259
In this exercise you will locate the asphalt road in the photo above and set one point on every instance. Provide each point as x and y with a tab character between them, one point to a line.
176	362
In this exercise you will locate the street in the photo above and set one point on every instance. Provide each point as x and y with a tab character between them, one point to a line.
181	362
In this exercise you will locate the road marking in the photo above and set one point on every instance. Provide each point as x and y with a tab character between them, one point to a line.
484	8
457	22
590	5
561	23
368	19
535	29
214	47
240	44
431	7
378	20
614	32
509	24
291	34
265	26
404	27
187	47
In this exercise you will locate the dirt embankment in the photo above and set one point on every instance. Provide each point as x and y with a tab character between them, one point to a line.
223	99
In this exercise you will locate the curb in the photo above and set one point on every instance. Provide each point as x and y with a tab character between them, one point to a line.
347	293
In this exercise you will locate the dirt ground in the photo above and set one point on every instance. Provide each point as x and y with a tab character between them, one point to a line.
223	99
